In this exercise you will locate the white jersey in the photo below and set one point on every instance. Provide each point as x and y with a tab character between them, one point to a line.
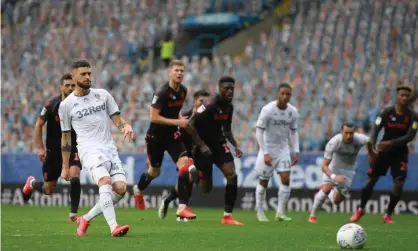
344	156
277	124
89	116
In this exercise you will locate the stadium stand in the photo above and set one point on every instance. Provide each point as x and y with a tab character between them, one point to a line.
343	59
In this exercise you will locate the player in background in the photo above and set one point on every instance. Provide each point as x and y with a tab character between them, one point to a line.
163	135
198	99
339	167
400	125
51	155
276	126
210	128
88	110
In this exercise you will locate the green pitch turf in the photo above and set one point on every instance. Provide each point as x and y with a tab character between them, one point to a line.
31	228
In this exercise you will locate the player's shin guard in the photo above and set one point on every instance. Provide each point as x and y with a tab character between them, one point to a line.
318	201
260	198
366	193
144	181
106	204
395	197
231	192
75	191
284	194
183	191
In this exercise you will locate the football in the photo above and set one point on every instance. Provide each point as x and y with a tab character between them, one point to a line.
351	236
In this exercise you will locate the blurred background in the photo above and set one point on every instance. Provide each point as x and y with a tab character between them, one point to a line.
343	58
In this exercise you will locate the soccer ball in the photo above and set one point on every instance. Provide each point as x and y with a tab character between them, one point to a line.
351	236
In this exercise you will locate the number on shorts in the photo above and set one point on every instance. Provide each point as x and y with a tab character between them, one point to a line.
226	148
404	166
76	156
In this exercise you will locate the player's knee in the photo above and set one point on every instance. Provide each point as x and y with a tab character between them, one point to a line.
49	188
74	172
119	187
263	183
103	180
184	160
154	172
338	200
399	180
285	178
326	188
205	186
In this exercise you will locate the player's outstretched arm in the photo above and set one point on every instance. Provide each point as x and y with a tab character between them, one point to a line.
122	126
409	136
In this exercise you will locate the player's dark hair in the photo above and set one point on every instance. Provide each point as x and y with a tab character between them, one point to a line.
347	124
284	85
226	79
80	64
66	76
200	93
404	87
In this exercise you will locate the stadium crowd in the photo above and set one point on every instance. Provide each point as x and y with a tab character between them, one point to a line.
343	59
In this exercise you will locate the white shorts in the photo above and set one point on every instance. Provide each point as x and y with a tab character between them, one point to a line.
343	188
265	172
103	163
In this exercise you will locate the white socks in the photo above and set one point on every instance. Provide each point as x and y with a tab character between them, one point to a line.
260	198
105	205
331	196
318	201
284	194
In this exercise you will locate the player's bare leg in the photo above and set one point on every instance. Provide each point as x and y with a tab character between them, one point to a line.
395	196
284	194
231	192
75	191
260	199
186	168
366	193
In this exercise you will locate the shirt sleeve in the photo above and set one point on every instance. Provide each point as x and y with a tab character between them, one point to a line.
361	138
112	106
294	122
159	99
46	110
330	148
65	117
263	119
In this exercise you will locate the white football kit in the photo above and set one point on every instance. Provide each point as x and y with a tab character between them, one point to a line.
343	160
89	116
276	126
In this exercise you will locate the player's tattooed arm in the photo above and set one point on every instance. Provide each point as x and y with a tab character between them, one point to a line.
193	132
66	148
123	127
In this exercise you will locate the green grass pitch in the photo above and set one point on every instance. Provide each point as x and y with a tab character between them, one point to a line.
31	228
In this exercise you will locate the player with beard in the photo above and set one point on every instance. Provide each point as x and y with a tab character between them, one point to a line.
163	135
400	125
205	181
210	128
89	112
51	155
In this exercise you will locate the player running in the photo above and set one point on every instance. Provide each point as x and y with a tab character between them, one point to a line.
210	128
400	125
51	156
339	167
88	110
205	182
276	125
163	135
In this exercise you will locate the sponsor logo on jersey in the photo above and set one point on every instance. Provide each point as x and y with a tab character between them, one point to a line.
280	122
90	110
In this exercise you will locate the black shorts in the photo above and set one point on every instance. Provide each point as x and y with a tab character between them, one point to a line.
221	154
397	162
156	146
52	166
